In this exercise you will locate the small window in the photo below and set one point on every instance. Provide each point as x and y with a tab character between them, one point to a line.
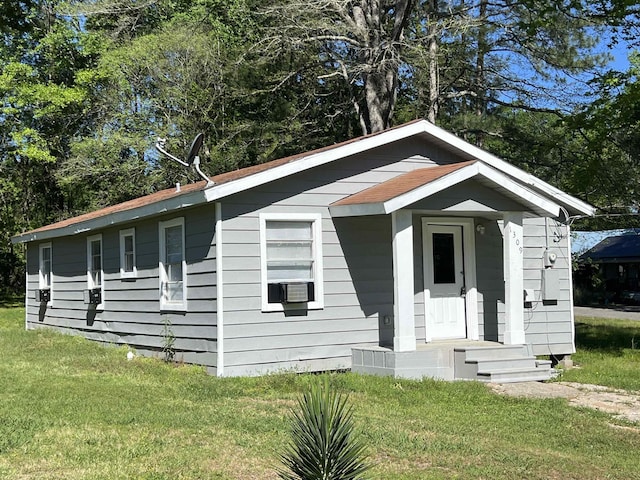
291	254
95	272
173	267
45	276
128	253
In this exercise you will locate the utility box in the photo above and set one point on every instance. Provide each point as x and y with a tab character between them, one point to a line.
550	284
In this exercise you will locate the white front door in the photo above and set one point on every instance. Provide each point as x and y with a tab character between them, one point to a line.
444	281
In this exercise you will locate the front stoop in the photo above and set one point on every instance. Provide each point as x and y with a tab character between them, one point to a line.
500	364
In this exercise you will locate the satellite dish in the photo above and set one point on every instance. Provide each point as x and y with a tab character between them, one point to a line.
192	157
196	145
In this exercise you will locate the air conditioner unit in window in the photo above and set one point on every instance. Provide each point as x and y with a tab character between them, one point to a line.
93	296
293	292
43	295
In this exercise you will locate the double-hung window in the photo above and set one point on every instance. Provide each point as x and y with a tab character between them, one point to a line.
128	253
45	279
173	267
291	261
95	271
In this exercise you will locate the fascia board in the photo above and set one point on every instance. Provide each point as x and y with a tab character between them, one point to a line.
158	208
430	188
507	168
498	178
357	210
301	164
529	196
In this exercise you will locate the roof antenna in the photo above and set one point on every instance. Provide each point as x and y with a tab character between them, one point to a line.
192	156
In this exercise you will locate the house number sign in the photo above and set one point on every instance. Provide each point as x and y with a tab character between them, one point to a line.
517	240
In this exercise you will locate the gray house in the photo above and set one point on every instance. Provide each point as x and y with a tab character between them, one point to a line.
408	252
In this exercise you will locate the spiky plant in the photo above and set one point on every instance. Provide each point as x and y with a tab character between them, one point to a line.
324	444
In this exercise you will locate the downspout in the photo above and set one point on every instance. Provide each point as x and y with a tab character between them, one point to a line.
219	293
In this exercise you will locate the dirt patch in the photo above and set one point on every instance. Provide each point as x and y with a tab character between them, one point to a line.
620	403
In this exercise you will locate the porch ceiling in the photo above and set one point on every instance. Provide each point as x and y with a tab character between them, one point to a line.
411	187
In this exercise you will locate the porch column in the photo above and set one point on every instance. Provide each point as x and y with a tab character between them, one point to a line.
513	279
404	332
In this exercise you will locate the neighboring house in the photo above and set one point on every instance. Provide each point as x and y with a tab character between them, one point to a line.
403	253
615	262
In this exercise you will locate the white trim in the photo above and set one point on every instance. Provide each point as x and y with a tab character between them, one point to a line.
162	272
513	251
571	311
26	288
169	205
126	233
527	196
470	280
404	318
296	165
316	222
41	283
219	293
314	160
90	283
507	168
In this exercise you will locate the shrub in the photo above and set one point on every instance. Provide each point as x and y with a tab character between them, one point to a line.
324	444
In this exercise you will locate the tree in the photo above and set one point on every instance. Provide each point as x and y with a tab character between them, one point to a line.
358	43
41	110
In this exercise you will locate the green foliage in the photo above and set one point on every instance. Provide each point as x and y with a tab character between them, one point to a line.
324	443
168	340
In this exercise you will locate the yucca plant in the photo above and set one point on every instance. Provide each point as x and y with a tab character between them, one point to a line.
324	443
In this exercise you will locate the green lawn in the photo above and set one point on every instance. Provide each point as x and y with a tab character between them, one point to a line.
72	409
608	353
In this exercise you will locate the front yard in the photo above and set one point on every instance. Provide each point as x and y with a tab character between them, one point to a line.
70	408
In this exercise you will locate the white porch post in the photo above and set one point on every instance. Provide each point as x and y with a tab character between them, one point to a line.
513	280
404	333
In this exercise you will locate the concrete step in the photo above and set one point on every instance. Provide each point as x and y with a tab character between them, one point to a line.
512	375
506	362
500	363
492	353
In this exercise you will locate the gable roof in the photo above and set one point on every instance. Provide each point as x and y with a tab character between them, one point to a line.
401	191
622	248
240	180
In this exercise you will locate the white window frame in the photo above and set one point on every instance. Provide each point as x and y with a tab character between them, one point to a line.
41	278
90	283
163	276
129	232
316	230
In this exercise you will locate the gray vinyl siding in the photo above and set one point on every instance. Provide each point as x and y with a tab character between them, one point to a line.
131	313
357	268
548	325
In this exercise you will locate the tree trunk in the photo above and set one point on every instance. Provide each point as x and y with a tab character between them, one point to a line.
432	55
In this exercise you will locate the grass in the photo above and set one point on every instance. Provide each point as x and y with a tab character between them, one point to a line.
608	353
70	408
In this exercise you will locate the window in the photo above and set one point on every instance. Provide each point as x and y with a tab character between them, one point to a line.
291	260
128	253
95	272
173	268
45	279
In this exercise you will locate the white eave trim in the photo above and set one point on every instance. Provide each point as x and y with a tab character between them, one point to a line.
314	160
157	208
219	191
527	196
507	168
